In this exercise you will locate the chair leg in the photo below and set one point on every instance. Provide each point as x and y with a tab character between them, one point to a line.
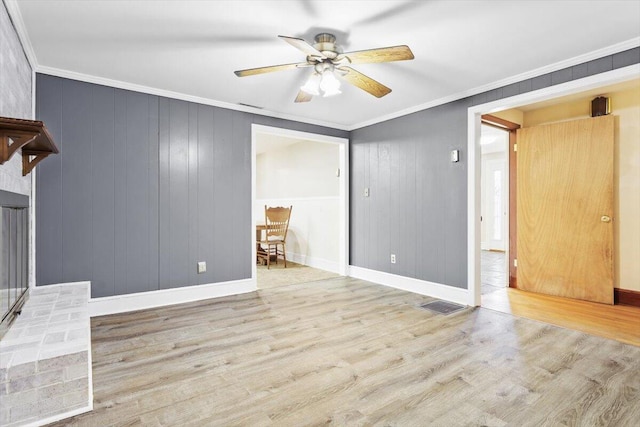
268	256
284	255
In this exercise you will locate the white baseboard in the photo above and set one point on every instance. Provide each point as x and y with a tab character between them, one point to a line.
143	300
319	263
422	287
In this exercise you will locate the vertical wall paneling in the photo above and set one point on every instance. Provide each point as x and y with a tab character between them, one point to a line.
455	185
193	198
207	228
103	114
395	210
418	203
164	238
223	193
356	214
144	187
153	182
49	184
431	191
407	215
178	193
241	155
136	151
121	252
76	181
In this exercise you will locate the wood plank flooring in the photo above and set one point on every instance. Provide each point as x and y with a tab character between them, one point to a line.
349	352
617	322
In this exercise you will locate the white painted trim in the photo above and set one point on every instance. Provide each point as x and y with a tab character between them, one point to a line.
343	225
417	286
64	415
473	146
576	60
16	17
32	207
302	199
314	262
152	299
57	72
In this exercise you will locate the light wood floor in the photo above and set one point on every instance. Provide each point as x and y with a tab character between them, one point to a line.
277	275
617	322
352	353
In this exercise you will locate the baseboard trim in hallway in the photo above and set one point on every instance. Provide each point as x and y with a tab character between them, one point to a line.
626	297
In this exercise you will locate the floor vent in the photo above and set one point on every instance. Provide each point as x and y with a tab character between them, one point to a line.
442	307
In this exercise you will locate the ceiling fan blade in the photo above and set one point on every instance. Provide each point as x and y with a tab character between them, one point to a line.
365	83
303	97
270	69
302	45
384	54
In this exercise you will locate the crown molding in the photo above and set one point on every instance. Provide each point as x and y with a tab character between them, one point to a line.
576	60
16	18
57	72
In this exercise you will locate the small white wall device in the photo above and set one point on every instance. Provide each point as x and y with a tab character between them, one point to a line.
455	156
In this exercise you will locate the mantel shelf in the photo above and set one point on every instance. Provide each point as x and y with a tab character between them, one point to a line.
30	135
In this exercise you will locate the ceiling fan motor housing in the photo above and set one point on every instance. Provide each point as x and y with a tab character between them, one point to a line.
326	43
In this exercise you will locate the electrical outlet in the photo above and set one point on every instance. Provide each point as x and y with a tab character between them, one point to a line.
393	258
202	267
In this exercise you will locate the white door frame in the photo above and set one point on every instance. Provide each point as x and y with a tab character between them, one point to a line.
473	146
343	152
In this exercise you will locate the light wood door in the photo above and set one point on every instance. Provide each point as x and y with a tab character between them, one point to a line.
565	209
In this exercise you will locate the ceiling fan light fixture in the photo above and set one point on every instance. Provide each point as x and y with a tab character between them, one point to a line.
329	84
312	86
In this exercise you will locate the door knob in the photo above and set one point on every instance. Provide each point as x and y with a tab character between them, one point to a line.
605	218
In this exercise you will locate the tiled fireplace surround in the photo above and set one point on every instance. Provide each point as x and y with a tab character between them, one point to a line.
45	357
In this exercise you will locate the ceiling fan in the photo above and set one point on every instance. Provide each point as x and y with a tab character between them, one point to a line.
327	60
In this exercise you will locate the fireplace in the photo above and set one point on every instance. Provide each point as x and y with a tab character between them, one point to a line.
14	253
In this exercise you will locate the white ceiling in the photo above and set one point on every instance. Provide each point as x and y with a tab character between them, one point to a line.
193	47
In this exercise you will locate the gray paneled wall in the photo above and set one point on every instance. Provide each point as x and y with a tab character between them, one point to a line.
144	187
417	208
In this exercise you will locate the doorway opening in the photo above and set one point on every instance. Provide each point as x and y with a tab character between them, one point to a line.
589	85
310	173
494	217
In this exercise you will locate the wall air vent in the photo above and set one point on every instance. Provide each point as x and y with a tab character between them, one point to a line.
251	106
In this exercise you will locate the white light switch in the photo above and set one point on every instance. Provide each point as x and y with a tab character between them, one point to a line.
202	267
455	156
366	192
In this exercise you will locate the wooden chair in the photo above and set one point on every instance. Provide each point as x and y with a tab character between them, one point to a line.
277	222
